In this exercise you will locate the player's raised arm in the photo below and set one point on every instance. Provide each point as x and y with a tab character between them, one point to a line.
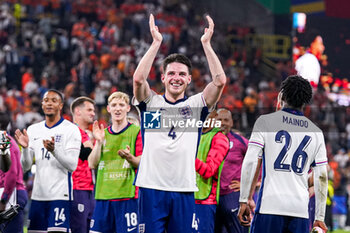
95	155
213	90
140	84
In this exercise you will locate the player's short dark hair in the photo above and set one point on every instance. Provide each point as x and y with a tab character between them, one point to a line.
296	91
309	37
57	92
180	58
80	102
4	120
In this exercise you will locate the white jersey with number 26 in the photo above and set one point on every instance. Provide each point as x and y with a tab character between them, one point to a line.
291	144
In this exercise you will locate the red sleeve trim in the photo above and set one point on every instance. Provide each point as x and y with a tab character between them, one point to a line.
138	145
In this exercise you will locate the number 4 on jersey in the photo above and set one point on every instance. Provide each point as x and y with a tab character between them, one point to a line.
172	133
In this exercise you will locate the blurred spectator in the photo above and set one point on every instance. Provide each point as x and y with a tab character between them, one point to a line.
341	158
250	104
39	42
308	65
348	134
12	61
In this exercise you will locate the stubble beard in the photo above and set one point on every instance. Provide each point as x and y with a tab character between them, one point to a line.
49	114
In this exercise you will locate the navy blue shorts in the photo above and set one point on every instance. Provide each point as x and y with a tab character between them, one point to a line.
226	215
164	210
267	223
49	216
115	216
205	218
83	206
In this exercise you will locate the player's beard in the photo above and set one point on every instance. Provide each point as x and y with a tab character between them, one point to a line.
49	114
89	120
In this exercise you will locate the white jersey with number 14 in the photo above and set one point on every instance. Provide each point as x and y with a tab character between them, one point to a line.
52	180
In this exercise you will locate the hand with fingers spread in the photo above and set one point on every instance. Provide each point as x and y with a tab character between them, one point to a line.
22	138
49	144
208	32
244	214
98	131
156	35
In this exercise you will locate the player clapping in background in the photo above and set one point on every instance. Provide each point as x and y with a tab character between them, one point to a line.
227	210
212	150
116	155
83	205
55	145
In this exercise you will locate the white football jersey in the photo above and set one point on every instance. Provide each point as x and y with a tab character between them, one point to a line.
53	181
170	140
291	144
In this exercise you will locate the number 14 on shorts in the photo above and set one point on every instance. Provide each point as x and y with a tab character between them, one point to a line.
60	217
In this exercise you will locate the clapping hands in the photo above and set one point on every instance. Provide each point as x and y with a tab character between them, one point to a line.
98	131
